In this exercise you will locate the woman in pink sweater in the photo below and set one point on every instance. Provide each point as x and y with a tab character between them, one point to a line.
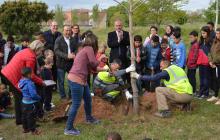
84	61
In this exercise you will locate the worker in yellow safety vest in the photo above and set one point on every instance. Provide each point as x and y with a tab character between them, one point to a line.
177	90
109	84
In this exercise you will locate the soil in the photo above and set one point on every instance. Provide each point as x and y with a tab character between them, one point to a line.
102	109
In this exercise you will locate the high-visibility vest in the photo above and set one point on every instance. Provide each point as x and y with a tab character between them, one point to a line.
178	80
104	79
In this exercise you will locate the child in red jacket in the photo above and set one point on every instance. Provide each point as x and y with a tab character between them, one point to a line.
101	52
165	49
192	59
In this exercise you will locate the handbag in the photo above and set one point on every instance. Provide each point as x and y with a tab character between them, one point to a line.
202	58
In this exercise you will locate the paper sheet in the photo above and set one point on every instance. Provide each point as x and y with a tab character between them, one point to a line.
49	82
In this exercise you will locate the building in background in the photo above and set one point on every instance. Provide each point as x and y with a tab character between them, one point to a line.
83	17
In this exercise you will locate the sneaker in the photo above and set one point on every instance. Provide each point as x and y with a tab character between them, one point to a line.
163	114
218	102
203	97
73	131
212	99
93	120
12	116
197	95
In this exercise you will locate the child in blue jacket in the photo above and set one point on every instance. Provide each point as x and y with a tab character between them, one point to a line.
29	100
178	51
152	63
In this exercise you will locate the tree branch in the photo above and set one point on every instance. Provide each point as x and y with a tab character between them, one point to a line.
137	2
140	3
126	8
133	5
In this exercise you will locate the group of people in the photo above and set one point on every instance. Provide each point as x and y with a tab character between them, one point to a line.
160	64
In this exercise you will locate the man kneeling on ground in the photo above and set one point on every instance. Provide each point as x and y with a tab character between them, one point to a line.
177	90
109	84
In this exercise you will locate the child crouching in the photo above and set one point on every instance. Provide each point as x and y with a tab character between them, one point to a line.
5	101
29	99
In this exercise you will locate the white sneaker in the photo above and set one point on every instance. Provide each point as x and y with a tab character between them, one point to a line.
218	102
212	99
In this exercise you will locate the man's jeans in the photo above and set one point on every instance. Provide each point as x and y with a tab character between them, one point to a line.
78	92
60	80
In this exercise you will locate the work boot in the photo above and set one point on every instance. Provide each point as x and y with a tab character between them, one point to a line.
163	114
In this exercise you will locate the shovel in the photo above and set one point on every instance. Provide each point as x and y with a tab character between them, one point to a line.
151	83
63	117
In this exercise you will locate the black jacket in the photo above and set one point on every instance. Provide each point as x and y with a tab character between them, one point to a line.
50	39
119	49
61	53
143	54
10	55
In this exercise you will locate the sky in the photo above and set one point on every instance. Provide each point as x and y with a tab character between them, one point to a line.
103	4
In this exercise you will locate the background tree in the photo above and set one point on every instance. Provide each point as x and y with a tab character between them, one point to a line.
196	16
181	17
95	14
23	17
152	12
210	12
115	12
59	15
160	11
74	15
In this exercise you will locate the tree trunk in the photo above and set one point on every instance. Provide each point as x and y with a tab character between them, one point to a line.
216	17
133	81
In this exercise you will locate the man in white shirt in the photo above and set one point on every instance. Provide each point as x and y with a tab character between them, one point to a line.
6	53
65	51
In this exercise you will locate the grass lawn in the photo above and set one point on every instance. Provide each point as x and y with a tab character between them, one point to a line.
202	123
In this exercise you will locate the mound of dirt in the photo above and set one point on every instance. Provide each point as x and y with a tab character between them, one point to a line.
148	102
102	109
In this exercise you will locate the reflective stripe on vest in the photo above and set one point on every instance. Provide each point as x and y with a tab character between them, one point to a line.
104	79
176	78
